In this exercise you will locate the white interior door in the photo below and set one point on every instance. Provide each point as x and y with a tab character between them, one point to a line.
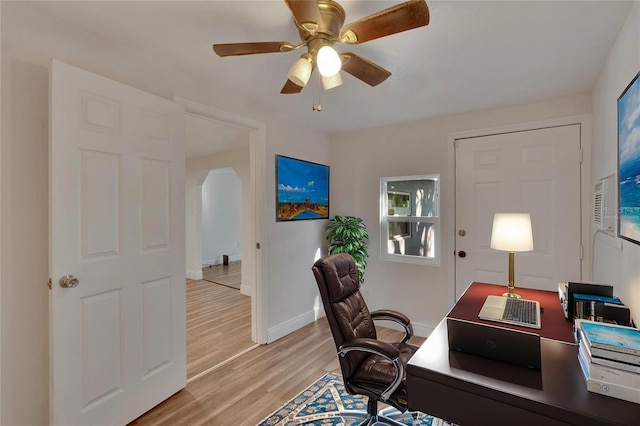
116	168
536	172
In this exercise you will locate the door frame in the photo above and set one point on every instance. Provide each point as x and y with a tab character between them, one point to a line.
257	152
584	121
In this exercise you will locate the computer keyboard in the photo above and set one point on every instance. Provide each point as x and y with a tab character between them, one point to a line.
519	310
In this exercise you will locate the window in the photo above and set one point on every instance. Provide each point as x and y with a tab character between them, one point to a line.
398	203
410	219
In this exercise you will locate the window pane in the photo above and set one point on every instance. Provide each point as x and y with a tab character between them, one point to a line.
398	203
421	193
417	240
399	229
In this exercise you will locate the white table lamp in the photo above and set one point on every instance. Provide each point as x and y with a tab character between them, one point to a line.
512	232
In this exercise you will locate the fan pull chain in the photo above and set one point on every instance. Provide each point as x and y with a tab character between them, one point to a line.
316	94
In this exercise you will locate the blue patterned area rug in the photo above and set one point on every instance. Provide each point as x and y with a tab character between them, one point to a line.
321	403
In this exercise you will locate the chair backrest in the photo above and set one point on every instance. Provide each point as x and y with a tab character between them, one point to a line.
346	310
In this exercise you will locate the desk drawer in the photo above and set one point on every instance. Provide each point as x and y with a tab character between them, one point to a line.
468	409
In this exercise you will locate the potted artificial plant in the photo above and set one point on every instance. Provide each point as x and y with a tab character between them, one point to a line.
348	234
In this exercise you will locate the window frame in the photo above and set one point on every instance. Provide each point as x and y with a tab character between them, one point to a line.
385	219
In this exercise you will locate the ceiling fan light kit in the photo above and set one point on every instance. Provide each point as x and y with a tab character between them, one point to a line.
300	71
331	82
320	24
328	61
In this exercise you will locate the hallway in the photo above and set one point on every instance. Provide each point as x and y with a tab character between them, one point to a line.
218	323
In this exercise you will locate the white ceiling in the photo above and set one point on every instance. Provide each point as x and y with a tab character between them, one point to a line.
473	55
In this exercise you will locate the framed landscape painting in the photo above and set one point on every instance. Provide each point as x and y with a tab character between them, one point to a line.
302	190
629	162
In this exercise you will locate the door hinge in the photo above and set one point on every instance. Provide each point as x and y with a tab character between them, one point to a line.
258	246
581	155
581	252
49	284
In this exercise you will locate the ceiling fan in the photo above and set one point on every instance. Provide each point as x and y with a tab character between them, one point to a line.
320	24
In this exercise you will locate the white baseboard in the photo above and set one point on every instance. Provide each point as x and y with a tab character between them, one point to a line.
287	327
194	275
246	290
422	330
218	260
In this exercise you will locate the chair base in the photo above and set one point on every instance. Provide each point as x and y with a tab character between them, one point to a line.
370	420
373	416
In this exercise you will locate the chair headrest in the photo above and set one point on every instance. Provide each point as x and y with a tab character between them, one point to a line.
341	275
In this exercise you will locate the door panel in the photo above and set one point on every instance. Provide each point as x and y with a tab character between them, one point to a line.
536	172
118	342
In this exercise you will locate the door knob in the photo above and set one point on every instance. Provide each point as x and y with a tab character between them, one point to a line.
69	281
462	253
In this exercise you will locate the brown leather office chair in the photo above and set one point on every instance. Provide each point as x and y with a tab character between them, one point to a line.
369	366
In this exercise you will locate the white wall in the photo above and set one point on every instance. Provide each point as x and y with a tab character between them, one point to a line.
29	39
221	216
360	159
25	239
616	262
292	247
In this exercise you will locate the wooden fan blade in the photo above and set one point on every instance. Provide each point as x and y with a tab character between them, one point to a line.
290	88
403	17
363	69
306	13
236	49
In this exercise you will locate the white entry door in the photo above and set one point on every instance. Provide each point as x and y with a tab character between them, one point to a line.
116	164
536	172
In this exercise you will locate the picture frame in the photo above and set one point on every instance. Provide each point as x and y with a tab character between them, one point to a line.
629	162
302	190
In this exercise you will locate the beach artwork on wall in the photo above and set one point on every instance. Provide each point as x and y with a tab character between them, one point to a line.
302	190
629	162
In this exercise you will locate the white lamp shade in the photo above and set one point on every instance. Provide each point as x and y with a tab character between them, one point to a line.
331	82
300	71
512	232
328	60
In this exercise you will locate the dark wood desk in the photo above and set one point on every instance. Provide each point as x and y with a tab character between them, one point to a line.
471	390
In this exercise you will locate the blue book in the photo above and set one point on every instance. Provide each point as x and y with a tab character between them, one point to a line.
595	298
611	337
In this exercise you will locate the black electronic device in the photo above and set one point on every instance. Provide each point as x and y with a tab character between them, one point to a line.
612	313
497	343
584	288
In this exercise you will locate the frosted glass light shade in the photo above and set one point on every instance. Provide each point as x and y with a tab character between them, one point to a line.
329	62
331	82
512	232
300	71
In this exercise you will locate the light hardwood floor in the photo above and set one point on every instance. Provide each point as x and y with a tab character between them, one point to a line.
246	390
229	275
218	325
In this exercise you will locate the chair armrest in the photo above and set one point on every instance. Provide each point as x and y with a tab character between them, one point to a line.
373	346
383	349
397	317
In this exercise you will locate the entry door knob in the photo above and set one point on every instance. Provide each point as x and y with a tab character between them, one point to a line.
69	281
462	253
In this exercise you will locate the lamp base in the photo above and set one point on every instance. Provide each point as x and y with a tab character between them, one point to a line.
512	295
511	287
